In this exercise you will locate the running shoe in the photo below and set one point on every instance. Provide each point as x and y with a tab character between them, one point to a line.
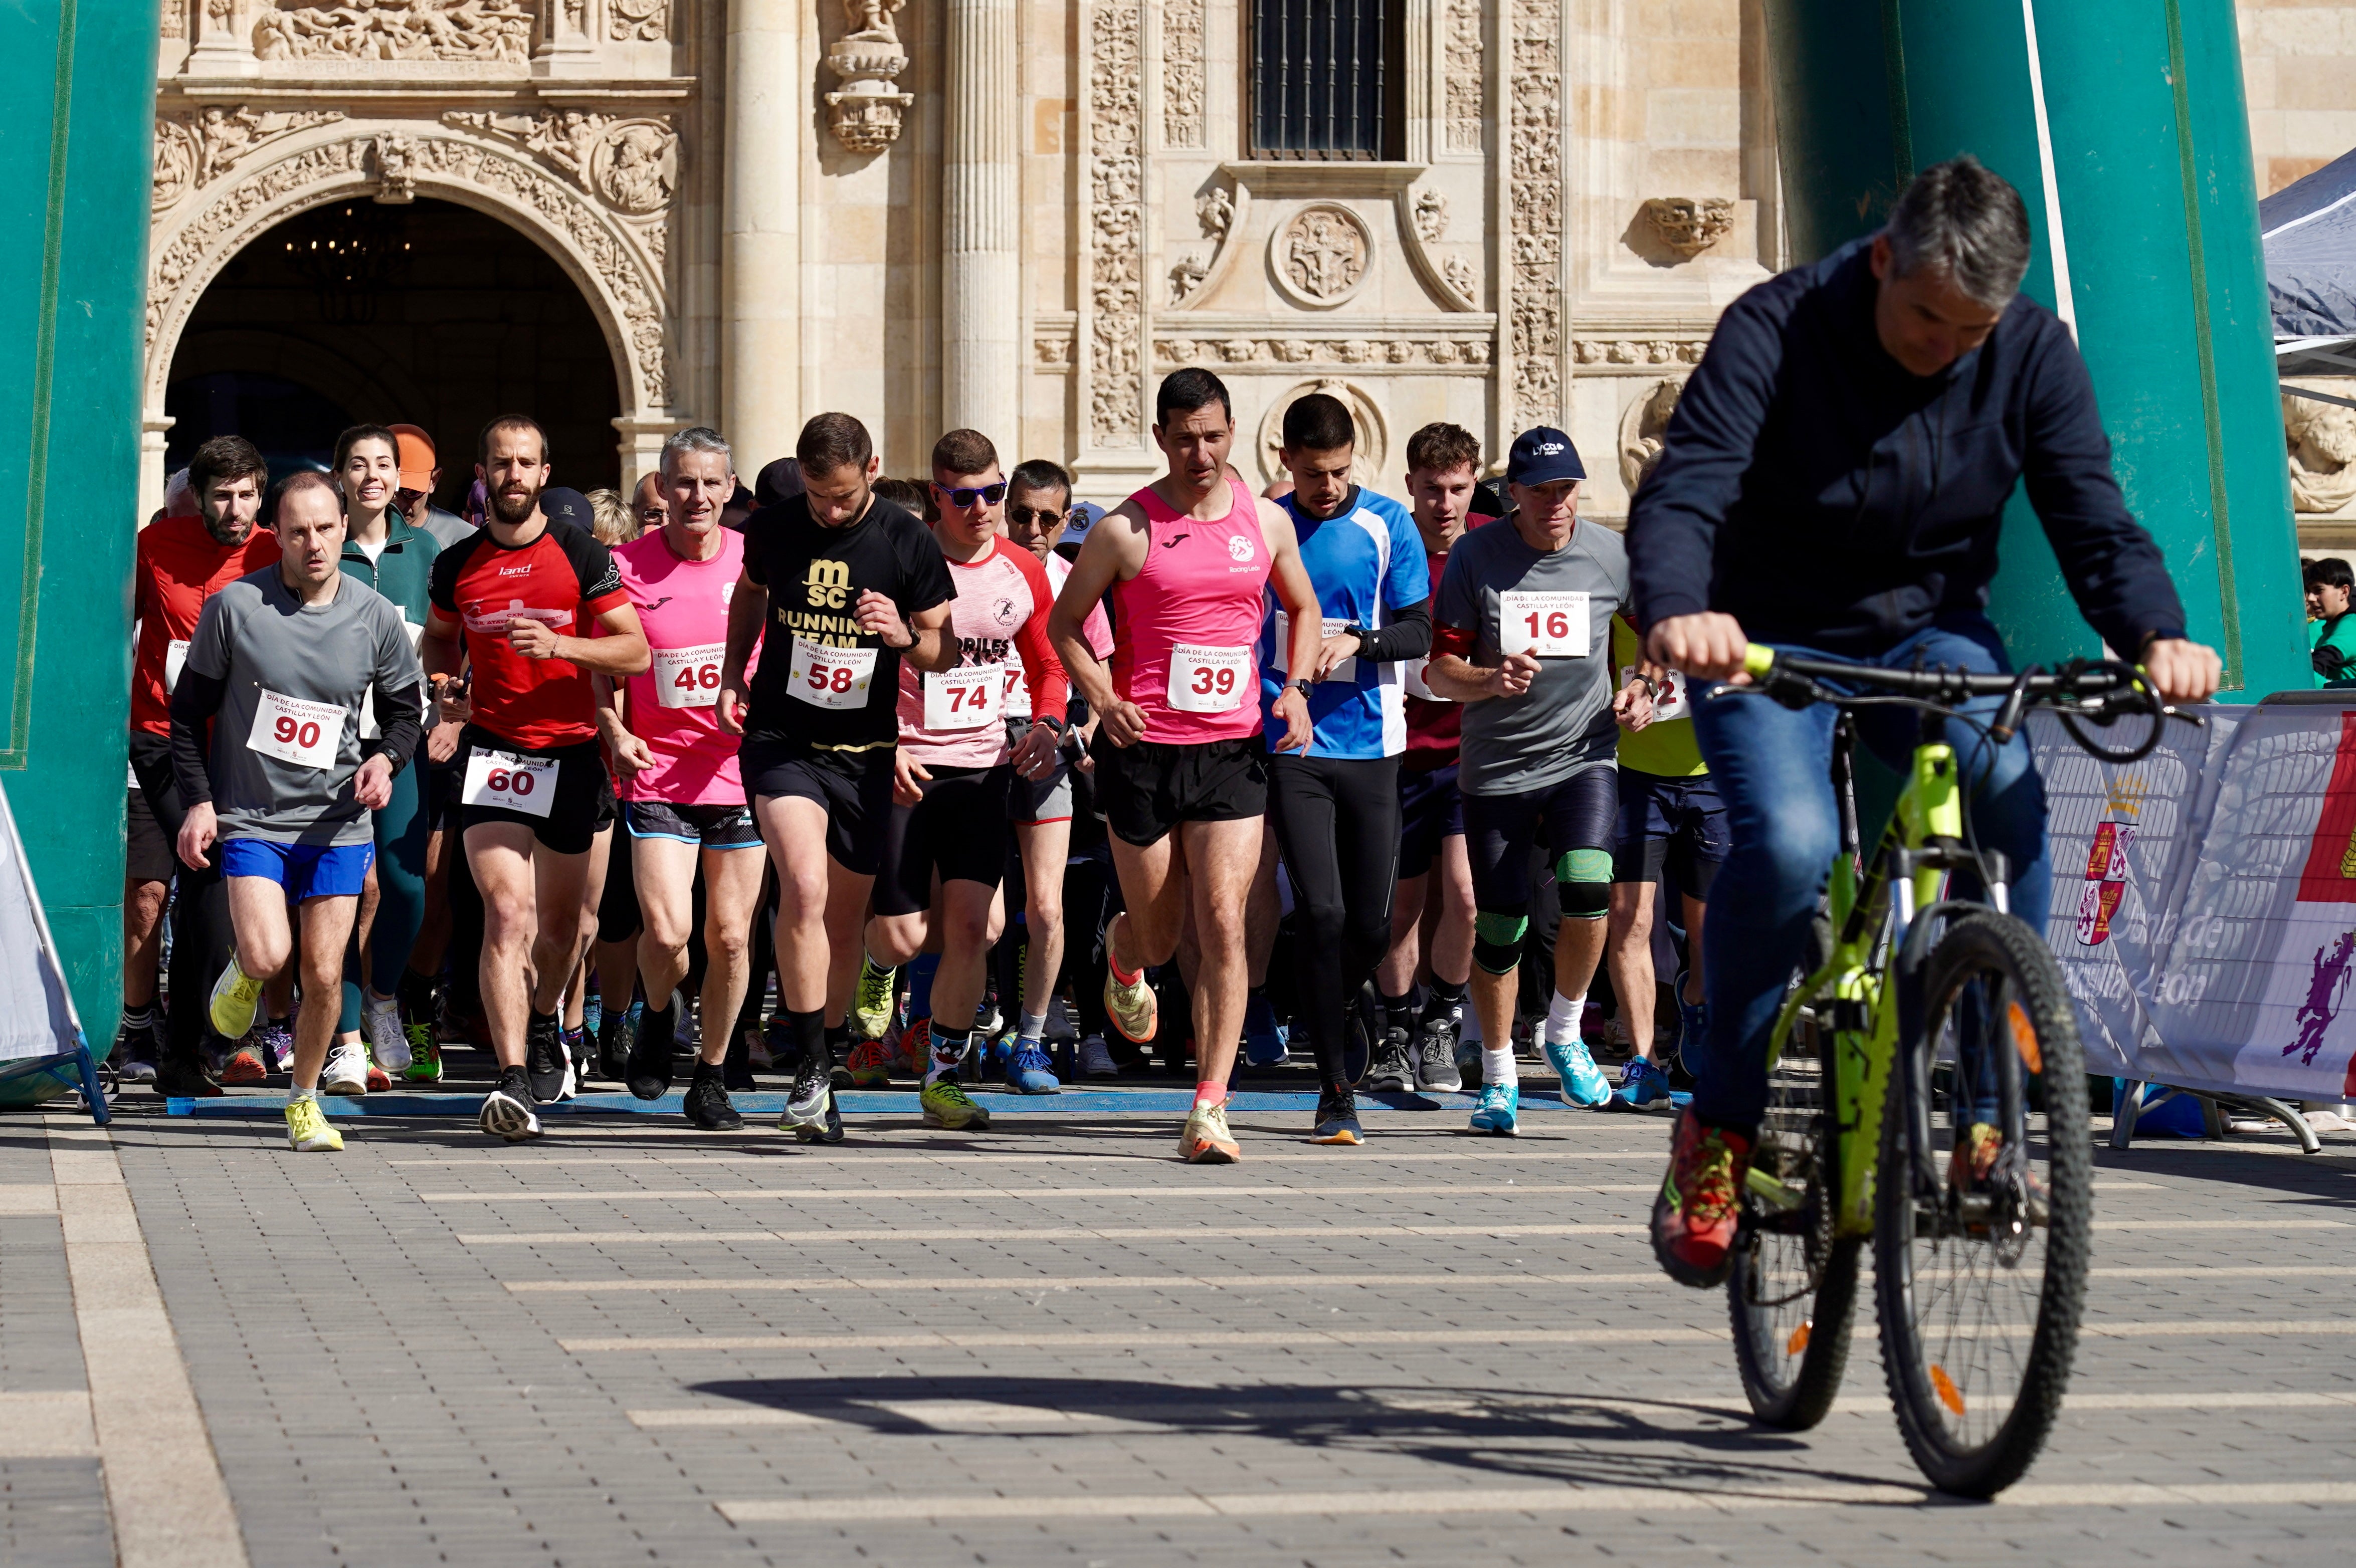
183	1079
544	1060
1265	1044
1095	1062
134	1062
1500	1110
812	1094
870	1065
614	1041
244	1064
1029	1072
592	1011
307	1129
756	1050
575	1044
1135	1012
424	1056
347	1069
1436	1070
1583	1083
1394	1068
276	1038
829	1131
1337	1117
1974	1156
510	1110
1695	1217
1641	1083
378	1079
235	996
837	1059
648	1070
707	1103
917	1047
946	1104
380	1021
1206	1141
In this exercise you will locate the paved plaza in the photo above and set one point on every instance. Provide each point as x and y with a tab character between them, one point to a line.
632	1343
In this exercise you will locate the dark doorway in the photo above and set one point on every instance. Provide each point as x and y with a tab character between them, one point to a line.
427	312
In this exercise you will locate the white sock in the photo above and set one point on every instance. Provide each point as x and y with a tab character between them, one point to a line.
1497	1066
1035	1026
1563	1018
298	1092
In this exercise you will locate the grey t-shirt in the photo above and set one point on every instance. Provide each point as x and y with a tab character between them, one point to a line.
286	740
1563	724
446	528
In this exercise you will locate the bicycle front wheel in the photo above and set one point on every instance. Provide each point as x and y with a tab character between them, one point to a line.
1984	1209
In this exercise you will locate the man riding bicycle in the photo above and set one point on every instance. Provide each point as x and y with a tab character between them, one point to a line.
1833	483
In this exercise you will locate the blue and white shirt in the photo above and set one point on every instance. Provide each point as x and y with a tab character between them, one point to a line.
1367	562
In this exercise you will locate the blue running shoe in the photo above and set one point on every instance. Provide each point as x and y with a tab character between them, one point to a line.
1583	1083
1029	1071
1264	1037
1500	1109
1641	1083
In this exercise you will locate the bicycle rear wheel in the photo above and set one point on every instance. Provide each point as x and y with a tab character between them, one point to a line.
1985	1209
1793	1290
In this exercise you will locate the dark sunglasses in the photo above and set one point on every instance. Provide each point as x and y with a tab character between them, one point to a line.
1034	516
989	495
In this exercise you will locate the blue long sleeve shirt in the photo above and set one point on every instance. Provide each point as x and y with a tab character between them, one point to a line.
1818	492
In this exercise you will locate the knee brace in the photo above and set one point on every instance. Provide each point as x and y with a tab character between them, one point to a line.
1582	878
1497	942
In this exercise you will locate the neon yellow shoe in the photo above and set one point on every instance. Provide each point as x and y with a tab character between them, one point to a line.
1206	1141
870	1000
948	1105
424	1056
307	1128
1135	1012
235	995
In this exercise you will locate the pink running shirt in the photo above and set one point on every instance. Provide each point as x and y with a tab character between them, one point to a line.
1186	625
683	605
1096	630
957	717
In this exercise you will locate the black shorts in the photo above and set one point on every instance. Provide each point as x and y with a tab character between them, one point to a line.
1146	789
617	902
716	826
443	784
1580	812
853	787
1673	823
580	804
960	829
1431	809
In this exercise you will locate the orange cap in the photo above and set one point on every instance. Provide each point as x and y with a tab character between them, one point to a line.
416	454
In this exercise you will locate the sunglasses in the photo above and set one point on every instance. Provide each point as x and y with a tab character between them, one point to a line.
989	495
1034	516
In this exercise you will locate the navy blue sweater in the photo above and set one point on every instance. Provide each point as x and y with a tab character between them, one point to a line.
1815	490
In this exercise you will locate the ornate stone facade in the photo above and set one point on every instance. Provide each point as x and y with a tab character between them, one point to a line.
1116	160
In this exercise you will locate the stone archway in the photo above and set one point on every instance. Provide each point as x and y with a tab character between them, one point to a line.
608	235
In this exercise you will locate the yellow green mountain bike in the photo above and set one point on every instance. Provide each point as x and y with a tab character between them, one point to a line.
1927	1092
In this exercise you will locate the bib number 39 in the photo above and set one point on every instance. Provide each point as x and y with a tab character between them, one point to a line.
511	782
307	734
832	677
1552	626
1210	679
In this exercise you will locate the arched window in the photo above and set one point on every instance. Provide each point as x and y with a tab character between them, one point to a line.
1328	79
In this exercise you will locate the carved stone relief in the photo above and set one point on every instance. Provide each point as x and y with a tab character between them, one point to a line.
389	162
1182	73
1690	226
1173	351
2321	438
1430	216
193	145
1643	429
1463	277
1215	210
1535	178
1467	77
1373	437
1609	351
637	21
398	29
1321	255
1116	144
632	162
865	113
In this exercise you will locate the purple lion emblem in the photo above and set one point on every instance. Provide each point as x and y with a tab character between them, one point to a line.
2325	991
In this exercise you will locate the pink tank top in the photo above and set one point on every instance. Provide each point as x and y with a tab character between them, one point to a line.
1185	627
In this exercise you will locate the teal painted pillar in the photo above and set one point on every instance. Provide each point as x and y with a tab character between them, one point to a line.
77	130
2124	127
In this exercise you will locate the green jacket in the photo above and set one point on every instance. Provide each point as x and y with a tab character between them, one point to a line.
400	572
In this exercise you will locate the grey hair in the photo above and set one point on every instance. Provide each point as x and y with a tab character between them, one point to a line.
1965	222
694	438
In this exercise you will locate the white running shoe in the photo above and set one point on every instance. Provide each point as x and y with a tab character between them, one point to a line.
380	1021
347	1070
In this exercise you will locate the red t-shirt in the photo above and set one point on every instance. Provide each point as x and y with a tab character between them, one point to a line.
1434	726
564	577
178	565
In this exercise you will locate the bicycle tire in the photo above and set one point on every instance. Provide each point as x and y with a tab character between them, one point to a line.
1964	1437
1792	1349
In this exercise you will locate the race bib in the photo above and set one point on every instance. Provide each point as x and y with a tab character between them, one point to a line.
1345	671
1018	692
966	698
1671	702
1417	686
1209	679
1552	626
175	655
307	734
688	677
830	677
513	783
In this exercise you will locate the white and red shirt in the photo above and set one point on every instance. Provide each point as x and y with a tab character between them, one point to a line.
957	717
1097	630
562	577
672	704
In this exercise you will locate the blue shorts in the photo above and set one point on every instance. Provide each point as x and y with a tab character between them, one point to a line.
1431	809
1678	824
304	870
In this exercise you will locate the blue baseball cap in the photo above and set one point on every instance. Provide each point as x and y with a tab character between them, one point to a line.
1543	456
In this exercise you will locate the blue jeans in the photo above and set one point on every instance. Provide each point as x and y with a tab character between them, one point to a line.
1772	769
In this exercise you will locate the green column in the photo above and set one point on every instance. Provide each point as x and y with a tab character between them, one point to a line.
77	130
2146	240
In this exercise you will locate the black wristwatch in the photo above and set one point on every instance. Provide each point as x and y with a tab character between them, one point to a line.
1360	632
1305	686
1051	721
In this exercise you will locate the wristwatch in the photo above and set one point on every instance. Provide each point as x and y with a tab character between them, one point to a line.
1051	721
1360	632
1305	686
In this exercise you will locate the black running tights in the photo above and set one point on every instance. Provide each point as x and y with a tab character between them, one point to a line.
1337	821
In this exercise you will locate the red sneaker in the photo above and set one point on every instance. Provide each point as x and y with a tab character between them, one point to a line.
244	1066
917	1047
1694	1218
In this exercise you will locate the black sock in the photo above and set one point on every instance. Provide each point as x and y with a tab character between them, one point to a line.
704	1070
1445	999
1400	1010
416	994
139	1020
809	1038
838	1043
